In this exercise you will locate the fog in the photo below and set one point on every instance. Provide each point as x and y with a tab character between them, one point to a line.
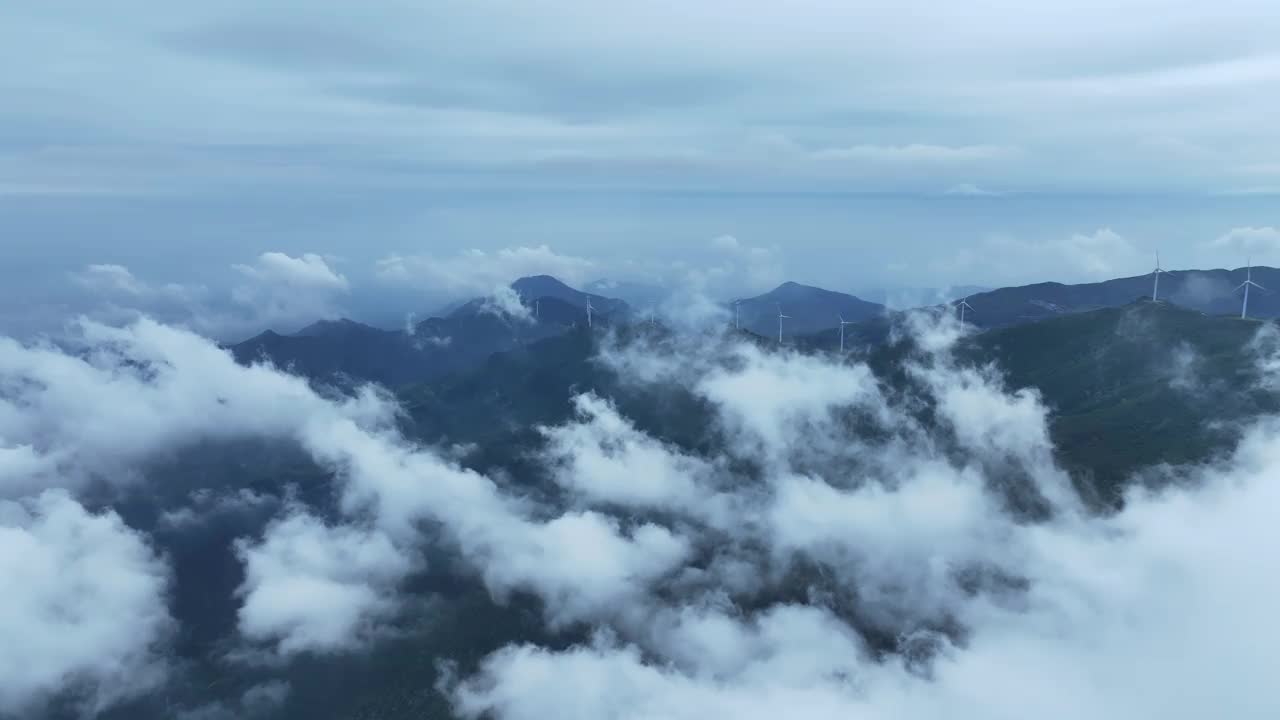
836	556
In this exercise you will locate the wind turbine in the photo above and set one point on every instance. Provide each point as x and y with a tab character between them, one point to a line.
589	309
843	322
1248	280
1155	288
737	304
962	306
536	308
780	317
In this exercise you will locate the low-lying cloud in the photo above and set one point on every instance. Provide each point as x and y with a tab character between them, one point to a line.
277	290
830	543
84	609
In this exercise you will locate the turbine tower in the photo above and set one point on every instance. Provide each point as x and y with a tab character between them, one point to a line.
536	308
1155	288
589	309
962	306
843	322
780	318
737	304
1248	280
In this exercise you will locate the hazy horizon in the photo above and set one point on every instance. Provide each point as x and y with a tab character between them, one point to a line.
856	147
863	244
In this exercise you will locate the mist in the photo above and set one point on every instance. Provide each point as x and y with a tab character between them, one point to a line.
839	552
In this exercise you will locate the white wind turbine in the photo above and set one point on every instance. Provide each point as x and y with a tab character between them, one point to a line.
843	322
1155	288
1248	280
737	305
780	318
589	309
536	308
962	306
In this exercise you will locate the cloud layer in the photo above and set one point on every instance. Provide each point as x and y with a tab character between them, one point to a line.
848	546
84	612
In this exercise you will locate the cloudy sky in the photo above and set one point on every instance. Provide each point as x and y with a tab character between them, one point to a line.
856	145
227	166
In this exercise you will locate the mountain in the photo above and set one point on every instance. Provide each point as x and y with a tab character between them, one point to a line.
539	287
342	327
810	309
1208	291
348	351
1133	386
1127	387
905	298
331	349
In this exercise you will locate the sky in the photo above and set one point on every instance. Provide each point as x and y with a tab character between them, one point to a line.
224	167
857	146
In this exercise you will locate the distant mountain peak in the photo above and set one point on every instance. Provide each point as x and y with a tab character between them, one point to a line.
811	309
332	326
534	286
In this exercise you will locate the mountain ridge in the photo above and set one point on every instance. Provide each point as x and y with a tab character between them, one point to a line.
346	350
809	308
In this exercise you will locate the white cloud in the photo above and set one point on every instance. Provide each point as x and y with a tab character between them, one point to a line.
306	271
111	278
1079	257
584	565
84	606
504	301
276	290
1249	239
832	519
606	459
292	291
731	268
478	272
310	587
146	388
773	403
136	390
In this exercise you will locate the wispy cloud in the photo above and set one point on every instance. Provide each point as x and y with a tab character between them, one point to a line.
1249	239
479	271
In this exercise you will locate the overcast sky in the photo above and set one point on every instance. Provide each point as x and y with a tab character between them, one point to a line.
853	145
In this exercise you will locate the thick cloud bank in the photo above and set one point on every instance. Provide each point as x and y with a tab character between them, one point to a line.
911	568
835	542
312	587
83	605
83	416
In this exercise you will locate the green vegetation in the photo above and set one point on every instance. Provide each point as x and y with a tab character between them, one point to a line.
1135	386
